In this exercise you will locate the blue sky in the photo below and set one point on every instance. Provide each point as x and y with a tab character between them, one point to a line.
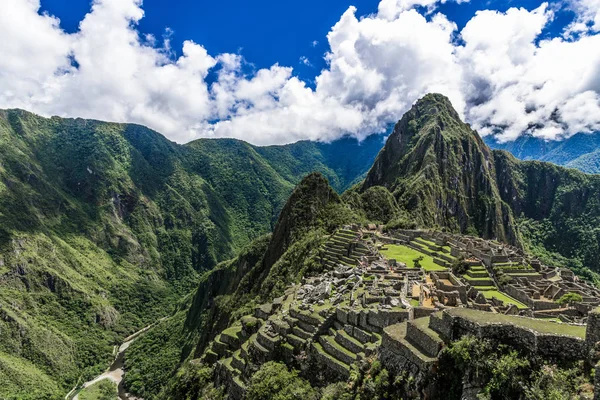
266	32
273	72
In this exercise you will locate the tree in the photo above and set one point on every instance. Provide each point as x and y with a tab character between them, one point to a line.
460	266
570	298
274	381
417	262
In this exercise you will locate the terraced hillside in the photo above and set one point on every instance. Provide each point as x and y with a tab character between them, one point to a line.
330	340
343	247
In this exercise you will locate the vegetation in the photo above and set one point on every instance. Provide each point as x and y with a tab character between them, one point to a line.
570	298
105	227
460	266
260	273
417	262
407	256
103	390
273	381
500	372
502	297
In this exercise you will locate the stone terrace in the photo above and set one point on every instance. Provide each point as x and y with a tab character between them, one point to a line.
528	286
368	306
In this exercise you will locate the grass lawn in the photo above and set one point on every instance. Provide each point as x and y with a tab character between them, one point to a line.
485	288
407	255
536	324
103	390
501	296
414	303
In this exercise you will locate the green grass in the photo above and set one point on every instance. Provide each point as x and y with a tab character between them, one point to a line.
536	324
406	255
414	303
103	390
501	296
485	288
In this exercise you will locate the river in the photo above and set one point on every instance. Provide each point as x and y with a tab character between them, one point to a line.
116	371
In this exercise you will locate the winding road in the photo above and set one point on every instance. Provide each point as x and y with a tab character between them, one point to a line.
116	371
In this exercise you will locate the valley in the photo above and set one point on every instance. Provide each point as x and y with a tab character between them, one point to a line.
383	262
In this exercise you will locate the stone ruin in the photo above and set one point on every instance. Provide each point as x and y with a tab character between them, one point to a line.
364	306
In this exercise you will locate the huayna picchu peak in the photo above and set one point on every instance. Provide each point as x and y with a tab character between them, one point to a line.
441	172
436	269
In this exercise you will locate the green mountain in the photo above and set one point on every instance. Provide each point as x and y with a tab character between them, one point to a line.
441	174
580	151
433	172
104	227
588	163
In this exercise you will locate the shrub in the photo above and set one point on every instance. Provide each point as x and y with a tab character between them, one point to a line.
274	381
570	298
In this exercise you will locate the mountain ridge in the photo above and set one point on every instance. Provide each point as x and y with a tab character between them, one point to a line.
104	227
580	151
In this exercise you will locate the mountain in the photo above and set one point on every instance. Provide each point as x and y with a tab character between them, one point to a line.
105	227
434	172
261	272
441	174
580	151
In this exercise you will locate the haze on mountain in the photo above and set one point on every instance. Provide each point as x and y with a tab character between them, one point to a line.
581	151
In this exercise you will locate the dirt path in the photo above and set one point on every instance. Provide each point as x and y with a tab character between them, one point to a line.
116	371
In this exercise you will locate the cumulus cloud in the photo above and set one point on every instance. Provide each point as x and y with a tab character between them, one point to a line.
588	15
498	73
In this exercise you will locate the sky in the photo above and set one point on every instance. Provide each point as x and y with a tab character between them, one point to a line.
274	72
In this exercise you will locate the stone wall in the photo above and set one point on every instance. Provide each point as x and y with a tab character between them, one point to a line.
422	340
597	383
419	312
592	334
545	345
520	295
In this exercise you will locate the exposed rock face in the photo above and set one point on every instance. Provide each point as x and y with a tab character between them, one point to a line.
443	174
441	171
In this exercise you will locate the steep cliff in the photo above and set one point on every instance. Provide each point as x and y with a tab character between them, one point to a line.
442	173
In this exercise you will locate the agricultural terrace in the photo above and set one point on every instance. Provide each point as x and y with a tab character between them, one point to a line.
406	255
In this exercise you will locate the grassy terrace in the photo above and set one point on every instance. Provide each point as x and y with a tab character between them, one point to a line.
406	255
502	296
104	389
537	325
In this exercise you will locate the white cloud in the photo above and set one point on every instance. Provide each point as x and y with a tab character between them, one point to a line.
305	61
498	73
514	85
588	15
391	9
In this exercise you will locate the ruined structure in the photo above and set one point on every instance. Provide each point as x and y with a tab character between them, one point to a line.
367	305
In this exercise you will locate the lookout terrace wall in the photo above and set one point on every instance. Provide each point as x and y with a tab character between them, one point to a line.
456	323
597	383
592	335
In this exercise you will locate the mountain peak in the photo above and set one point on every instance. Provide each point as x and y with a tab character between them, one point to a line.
433	104
440	171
